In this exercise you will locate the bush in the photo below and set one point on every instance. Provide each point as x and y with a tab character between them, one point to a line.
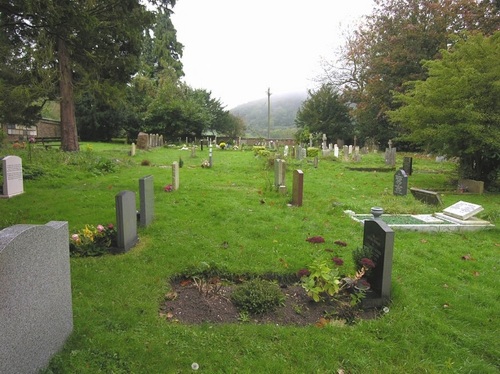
258	296
257	148
312	152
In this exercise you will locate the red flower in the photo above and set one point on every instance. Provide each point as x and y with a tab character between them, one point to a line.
341	243
338	261
367	263
168	188
303	273
315	239
110	226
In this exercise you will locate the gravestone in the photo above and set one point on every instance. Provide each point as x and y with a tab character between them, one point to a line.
285	152
210	155
298	188
379	237
463	210
147	200
175	175
400	187
304	153
126	221
36	313
408	165
316	161
336	151
299	152
132	150
193	151
428	197
349	148
279	173
346	153
142	140
471	185
12	167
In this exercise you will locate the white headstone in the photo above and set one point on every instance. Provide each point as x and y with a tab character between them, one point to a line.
175	175
336	150
463	210
12	167
285	152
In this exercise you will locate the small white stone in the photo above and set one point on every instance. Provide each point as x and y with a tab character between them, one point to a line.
195	366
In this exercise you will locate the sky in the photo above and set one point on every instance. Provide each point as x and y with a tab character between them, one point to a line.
237	49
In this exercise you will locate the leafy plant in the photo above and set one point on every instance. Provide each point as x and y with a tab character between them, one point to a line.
257	296
323	279
93	241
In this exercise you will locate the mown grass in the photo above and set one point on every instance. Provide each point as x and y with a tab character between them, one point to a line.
444	313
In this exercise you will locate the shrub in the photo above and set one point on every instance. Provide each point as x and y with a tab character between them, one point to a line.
312	152
145	163
93	241
257	148
258	296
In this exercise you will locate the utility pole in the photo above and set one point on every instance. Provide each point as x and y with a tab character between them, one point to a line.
268	113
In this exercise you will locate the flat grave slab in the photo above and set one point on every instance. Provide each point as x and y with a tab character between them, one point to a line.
463	210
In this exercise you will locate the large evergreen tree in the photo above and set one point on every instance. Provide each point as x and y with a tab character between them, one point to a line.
75	44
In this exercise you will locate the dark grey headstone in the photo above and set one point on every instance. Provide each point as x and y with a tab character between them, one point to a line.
428	197
400	183
126	220
147	200
408	165
36	313
380	238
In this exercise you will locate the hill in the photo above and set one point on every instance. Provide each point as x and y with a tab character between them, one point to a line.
284	108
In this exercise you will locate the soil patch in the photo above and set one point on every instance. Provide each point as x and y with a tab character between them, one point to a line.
186	304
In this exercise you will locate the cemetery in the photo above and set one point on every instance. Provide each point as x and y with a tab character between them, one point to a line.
182	241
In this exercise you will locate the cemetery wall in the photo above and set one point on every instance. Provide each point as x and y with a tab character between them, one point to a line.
44	128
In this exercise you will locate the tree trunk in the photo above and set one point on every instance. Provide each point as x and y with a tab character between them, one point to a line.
69	134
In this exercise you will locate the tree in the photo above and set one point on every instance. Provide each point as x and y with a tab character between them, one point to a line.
456	110
76	43
323	112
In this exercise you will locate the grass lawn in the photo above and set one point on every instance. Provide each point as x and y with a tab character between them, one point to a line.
444	314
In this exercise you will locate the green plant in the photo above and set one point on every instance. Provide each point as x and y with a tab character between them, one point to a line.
222	145
312	151
243	316
257	148
93	241
361	254
257	296
323	279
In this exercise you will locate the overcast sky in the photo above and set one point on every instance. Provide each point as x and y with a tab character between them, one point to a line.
238	49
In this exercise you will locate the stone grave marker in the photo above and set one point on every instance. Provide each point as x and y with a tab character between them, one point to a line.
132	150
13	184
428	197
36	313
193	151
285	152
298	187
400	187
126	221
304	153
175	175
346	153
471	185
279	173
408	165
316	161
147	200
463	210
142	140
336	150
379	237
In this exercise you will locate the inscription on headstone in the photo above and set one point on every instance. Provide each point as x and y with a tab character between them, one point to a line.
400	183
12	176
379	237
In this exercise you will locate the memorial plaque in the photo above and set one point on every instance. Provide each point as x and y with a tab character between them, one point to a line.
463	210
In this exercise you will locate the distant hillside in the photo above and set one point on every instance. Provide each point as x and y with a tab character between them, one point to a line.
284	108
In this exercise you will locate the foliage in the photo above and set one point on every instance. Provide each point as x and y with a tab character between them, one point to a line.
222	145
324	113
257	149
312	151
93	241
323	279
257	296
456	110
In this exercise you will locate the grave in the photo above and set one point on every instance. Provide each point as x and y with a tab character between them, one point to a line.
126	221
132	150
36	313
175	174
408	165
298	187
336	151
463	210
142	140
428	197
279	173
12	168
147	200
378	236
471	186
400	187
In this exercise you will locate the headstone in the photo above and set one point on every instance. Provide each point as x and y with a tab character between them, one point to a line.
428	197
356	157
201	144
126	220
304	153
336	150
147	200
463	210
471	185
346	153
390	156
132	150
350	149
378	236
408	165
279	173
12	167
142	140
285	152
400	187
193	151
175	175
298	188
316	161
36	313
210	150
